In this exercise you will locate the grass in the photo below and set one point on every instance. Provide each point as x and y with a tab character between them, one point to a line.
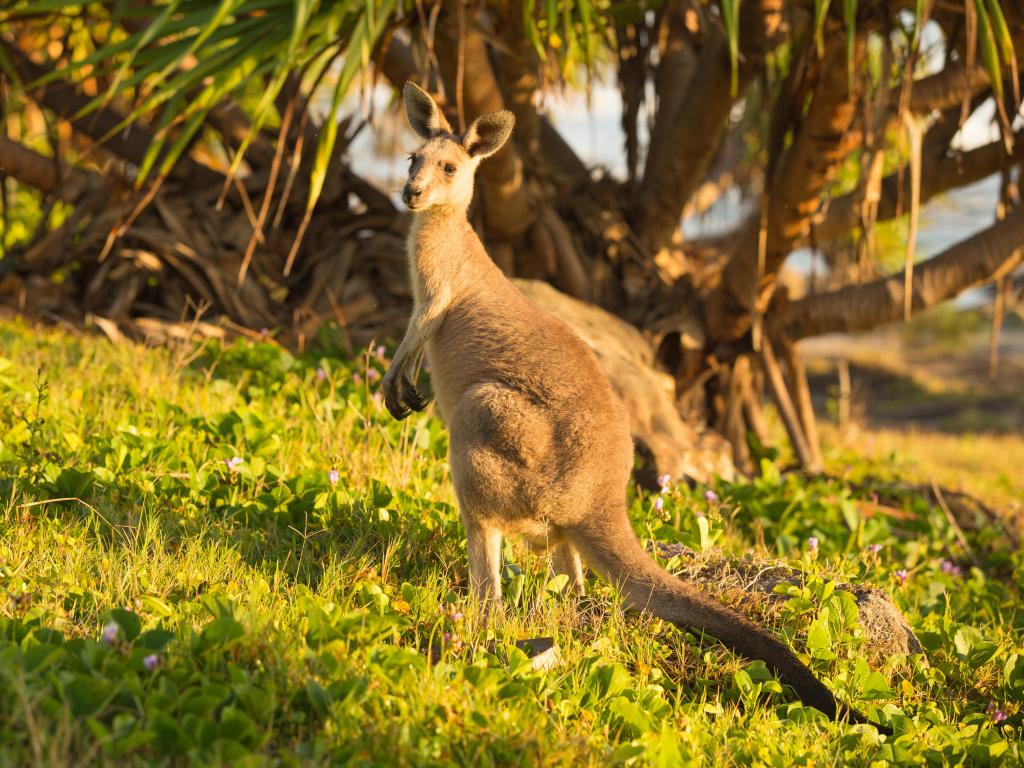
184	581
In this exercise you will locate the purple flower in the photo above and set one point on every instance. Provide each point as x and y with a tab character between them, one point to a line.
710	496
948	566
110	633
333	477
998	715
357	379
151	662
378	398
874	549
454	613
233	463
379	352
812	544
663	481
659	504
372	375
902	575
321	374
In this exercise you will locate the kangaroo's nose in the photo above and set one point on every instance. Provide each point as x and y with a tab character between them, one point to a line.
410	194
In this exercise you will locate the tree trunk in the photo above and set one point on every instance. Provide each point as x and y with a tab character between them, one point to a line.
805	169
519	75
677	63
674	170
507	210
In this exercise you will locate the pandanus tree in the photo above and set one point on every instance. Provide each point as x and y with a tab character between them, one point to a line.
185	158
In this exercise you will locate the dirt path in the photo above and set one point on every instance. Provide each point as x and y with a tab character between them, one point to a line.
907	380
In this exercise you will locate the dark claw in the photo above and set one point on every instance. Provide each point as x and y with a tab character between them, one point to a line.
397	410
393	400
411	396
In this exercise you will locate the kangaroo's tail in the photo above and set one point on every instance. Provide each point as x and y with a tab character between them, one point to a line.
620	559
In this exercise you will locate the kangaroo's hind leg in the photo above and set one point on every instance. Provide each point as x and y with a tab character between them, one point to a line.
484	545
566	559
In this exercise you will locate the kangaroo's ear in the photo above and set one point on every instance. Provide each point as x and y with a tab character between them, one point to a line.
487	133
424	115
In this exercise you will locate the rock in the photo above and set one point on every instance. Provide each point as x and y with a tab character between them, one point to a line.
886	630
543	652
675	447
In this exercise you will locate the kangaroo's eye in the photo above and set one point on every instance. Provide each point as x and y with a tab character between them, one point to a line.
449	169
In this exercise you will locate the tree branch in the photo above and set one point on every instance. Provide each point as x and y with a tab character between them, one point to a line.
937	176
39	171
64	100
980	259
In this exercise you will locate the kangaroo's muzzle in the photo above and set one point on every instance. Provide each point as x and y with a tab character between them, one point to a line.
411	194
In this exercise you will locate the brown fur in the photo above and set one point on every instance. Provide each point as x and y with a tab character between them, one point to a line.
540	445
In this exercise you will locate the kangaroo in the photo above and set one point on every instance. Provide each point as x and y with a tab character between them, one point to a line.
540	445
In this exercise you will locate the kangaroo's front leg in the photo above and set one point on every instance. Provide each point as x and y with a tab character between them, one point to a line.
400	395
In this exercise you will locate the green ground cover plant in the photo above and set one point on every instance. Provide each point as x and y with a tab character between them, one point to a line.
231	555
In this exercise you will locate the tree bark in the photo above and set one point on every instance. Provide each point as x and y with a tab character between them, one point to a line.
632	45
672	173
980	259
804	405
946	88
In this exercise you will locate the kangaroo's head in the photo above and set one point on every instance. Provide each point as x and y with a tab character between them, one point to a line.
441	171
